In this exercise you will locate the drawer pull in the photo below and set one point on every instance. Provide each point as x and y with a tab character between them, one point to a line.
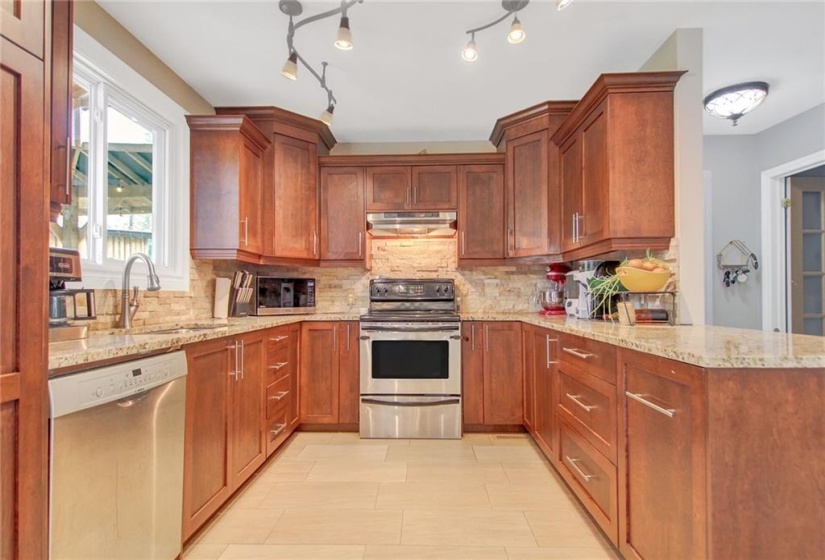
278	366
572	462
575	399
669	412
578	353
279	396
279	338
276	433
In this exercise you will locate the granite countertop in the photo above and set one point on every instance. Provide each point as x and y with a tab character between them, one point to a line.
704	346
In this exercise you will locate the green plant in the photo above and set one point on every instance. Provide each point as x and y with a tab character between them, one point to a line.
603	288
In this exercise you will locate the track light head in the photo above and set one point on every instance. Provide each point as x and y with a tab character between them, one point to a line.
470	54
516	34
326	116
562	4
290	69
343	39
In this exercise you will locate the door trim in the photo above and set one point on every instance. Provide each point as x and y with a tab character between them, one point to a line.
775	278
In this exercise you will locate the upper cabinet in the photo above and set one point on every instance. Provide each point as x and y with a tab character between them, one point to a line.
23	22
418	187
532	180
226	187
61	103
343	229
617	160
480	212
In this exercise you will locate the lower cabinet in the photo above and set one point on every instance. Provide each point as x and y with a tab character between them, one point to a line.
329	383
224	443
492	373
280	385
541	387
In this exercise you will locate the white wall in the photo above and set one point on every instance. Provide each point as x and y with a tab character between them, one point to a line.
736	163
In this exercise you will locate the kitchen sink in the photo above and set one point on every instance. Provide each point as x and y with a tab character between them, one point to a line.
185	330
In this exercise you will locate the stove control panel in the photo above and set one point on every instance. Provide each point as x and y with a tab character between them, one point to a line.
414	289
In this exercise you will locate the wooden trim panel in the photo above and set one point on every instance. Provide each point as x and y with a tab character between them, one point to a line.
288	118
526	115
483	158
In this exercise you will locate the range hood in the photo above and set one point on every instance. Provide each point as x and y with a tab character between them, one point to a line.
417	224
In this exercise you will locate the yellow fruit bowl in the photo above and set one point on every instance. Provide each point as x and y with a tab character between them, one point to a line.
637	280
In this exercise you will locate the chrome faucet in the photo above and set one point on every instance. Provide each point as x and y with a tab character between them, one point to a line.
129	308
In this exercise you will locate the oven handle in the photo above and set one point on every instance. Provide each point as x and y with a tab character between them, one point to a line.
410	329
369	400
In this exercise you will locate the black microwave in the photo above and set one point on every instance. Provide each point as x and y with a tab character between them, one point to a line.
284	296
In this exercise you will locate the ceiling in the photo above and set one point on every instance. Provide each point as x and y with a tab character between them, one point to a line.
405	80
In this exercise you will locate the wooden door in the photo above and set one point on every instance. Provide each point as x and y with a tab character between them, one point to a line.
530	372
545	353
251	198
248	442
595	178
295	212
23	337
434	187
388	188
61	105
343	220
664	504
571	191
472	372
503	379
319	383
206	474
527	195
807	288
23	22
349	380
481	212
294	373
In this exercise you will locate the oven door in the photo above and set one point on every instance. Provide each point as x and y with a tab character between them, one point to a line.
434	417
410	359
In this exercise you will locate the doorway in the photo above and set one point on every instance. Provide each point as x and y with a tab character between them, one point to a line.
806	229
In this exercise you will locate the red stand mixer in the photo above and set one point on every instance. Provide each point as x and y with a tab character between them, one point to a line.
552	298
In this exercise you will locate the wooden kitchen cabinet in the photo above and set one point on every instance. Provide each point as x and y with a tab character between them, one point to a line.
388	188
329	389
24	175
481	213
294	373
280	385
60	190
492	374
293	213
541	379
224	442
343	215
434	187
226	153
617	157
418	187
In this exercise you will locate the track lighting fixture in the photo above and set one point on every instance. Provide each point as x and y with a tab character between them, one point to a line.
516	34
562	4
470	54
343	40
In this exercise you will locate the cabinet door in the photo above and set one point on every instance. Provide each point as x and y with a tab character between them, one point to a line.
595	177
472	372
295	212
388	188
664	482
251	196
23	23
434	187
527	195
528	357
61	96
545	351
248	444
503	399
349	387
481	212
571	191
343	222
294	373
206	476
23	339
319	373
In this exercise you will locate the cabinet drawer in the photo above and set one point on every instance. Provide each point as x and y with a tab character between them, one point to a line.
589	404
278	395
592	477
277	430
597	358
278	365
278	338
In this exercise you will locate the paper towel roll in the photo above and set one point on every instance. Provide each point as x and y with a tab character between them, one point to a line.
221	310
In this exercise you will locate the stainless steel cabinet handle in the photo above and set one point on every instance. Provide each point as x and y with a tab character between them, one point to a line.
314	243
462	243
578	353
360	237
69	168
245	222
348	337
575	399
511	240
549	361
281	428
415	195
279	338
487	337
575	227
572	462
278	366
669	412
234	372
243	351
580	227
473	335
279	396
408	195
335	337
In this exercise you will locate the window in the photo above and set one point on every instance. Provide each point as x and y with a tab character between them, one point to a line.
129	163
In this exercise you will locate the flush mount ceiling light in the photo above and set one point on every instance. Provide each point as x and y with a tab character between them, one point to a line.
343	40
734	101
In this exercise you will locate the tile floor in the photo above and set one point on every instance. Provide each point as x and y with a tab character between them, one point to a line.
335	496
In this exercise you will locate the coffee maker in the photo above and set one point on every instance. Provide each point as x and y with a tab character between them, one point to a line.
67	306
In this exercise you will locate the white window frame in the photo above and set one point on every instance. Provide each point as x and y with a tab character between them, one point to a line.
111	79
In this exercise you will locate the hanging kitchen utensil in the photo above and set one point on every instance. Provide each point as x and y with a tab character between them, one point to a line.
737	261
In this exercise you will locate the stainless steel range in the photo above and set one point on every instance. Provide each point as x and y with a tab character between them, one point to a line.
411	360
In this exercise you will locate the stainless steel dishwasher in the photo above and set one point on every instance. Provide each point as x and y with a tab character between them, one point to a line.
117	460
